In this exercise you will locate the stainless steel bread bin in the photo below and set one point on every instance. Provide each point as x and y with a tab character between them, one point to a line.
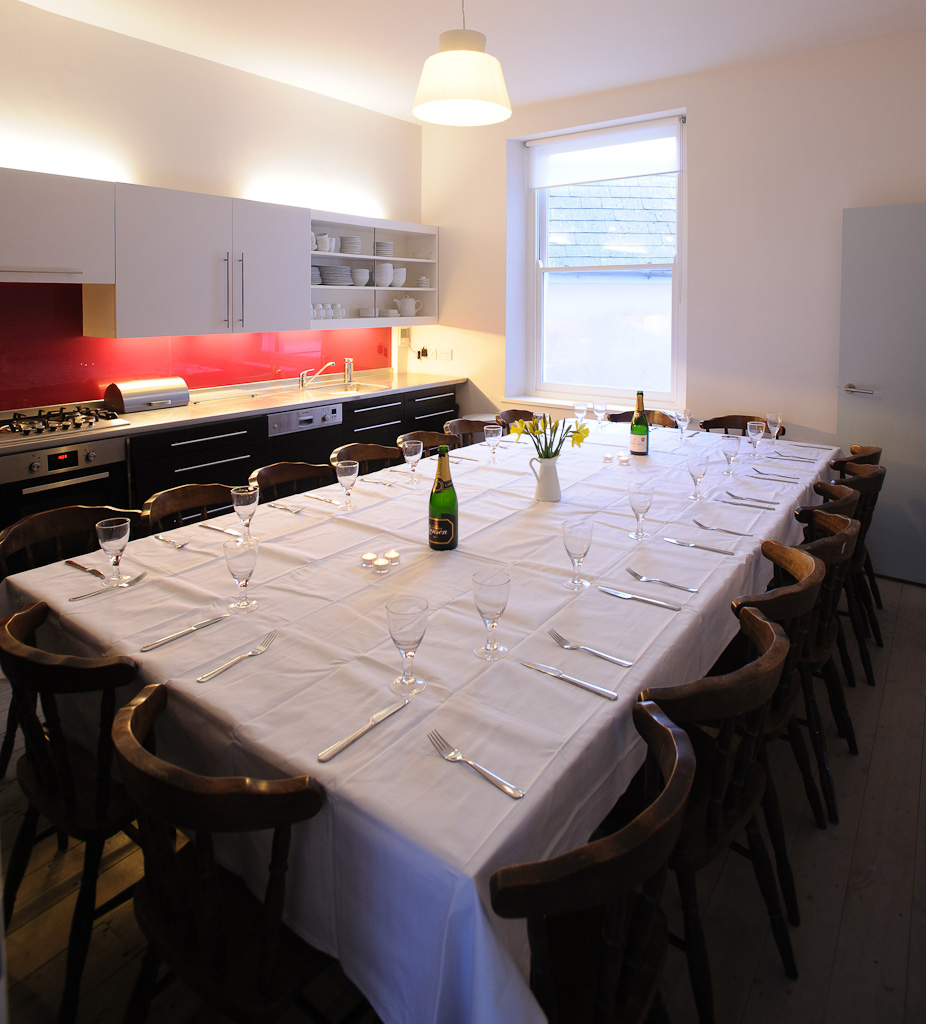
143	395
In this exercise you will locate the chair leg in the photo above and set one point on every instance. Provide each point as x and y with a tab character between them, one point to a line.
868	607
796	739
818	742
838	704
699	968
771	810
9	738
873	581
143	991
19	861
765	876
858	628
81	930
844	657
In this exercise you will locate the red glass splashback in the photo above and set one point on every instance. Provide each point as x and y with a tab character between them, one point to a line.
46	360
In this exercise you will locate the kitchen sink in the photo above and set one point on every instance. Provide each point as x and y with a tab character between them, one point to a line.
341	390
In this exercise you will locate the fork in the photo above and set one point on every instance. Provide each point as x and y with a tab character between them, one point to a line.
747	497
720	529
665	583
257	649
284	508
570	646
449	753
775	476
178	544
109	590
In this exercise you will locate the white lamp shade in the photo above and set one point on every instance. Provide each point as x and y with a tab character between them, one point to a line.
462	87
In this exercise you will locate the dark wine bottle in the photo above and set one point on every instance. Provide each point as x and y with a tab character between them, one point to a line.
442	507
639	429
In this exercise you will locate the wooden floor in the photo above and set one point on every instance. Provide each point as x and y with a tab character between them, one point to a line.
860	948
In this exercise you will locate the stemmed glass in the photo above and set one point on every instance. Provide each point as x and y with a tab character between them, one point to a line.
245	501
347	476
408	619
580	409
241	559
730	445
113	535
755	429
601	412
773	419
412	451
577	536
640	495
697	467
493	434
682	418
490	592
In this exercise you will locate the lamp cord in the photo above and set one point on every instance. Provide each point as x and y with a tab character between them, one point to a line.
463	8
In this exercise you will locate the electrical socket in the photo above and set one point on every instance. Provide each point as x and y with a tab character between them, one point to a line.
444	353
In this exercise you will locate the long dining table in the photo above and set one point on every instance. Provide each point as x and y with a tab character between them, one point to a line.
392	877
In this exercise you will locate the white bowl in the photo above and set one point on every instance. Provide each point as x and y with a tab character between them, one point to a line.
360	277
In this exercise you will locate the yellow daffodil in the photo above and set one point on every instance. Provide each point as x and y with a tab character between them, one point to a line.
548	435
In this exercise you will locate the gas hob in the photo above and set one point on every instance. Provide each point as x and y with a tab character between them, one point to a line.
23	427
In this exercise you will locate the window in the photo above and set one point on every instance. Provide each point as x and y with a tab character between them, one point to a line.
605	270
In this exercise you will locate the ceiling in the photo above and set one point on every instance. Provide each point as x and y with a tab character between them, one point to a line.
370	52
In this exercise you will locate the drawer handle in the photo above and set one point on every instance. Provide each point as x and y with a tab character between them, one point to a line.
436	412
57	484
207	465
204	440
377	426
434	398
373	408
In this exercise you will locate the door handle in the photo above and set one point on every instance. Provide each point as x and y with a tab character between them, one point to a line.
851	389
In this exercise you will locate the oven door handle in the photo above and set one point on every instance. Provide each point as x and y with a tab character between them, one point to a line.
56	484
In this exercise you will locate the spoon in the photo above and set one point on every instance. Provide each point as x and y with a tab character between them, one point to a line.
178	544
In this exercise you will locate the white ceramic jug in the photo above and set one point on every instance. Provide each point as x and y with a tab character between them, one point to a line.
547	480
407	307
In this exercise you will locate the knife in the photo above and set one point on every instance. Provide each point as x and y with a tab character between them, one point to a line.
645	600
745	504
700	547
86	568
221	529
184	632
321	497
791	458
559	674
329	752
819	447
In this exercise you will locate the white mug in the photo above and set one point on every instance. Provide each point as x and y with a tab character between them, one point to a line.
339	311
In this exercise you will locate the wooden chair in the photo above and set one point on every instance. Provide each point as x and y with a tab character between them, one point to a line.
598	939
468	431
281	479
40	539
729	786
508	416
201	920
370	456
654	417
735	422
188	503
63	782
430	440
863	455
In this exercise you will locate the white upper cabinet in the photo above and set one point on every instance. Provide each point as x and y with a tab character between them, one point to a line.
55	229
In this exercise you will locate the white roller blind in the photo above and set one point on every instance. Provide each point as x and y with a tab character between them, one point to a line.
630	151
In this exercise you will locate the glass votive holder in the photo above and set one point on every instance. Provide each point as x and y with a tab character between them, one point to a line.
368	558
392	557
608	458
381	565
624	458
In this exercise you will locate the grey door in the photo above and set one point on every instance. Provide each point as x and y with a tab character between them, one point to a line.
883	351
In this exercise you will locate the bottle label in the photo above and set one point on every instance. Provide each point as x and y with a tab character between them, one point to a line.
441	532
639	444
441	485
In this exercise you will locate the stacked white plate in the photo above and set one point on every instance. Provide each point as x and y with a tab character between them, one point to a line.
350	243
382	248
337	275
316	276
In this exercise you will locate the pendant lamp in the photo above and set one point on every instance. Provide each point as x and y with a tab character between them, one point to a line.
462	85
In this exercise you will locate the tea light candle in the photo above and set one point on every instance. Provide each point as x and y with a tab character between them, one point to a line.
624	459
392	556
368	558
608	458
381	565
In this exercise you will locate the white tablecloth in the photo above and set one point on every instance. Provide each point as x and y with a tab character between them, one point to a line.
392	875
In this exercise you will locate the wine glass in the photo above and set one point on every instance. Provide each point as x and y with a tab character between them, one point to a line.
682	418
408	619
493	434
697	467
245	501
755	429
412	451
490	592
601	413
577	536
241	558
730	445
640	495
113	535
347	476
580	409
773	419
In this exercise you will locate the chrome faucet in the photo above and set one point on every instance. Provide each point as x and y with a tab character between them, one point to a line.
348	371
305	380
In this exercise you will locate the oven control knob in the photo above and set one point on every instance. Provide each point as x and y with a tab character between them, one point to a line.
90	456
34	467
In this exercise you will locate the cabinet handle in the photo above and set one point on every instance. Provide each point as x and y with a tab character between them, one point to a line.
377	426
207	465
38	270
58	484
436	412
228	321
435	398
212	437
373	408
242	290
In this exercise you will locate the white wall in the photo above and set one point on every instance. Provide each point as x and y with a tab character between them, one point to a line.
776	150
80	100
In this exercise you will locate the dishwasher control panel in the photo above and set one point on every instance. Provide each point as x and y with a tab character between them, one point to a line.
310	418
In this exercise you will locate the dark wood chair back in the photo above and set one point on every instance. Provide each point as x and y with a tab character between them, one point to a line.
508	416
281	479
861	455
735	423
867	481
430	440
837	501
468	431
200	919
654	417
836	538
187	503
370	456
597	938
46	537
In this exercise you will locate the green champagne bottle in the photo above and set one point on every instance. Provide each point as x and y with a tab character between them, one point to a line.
639	429
442	507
